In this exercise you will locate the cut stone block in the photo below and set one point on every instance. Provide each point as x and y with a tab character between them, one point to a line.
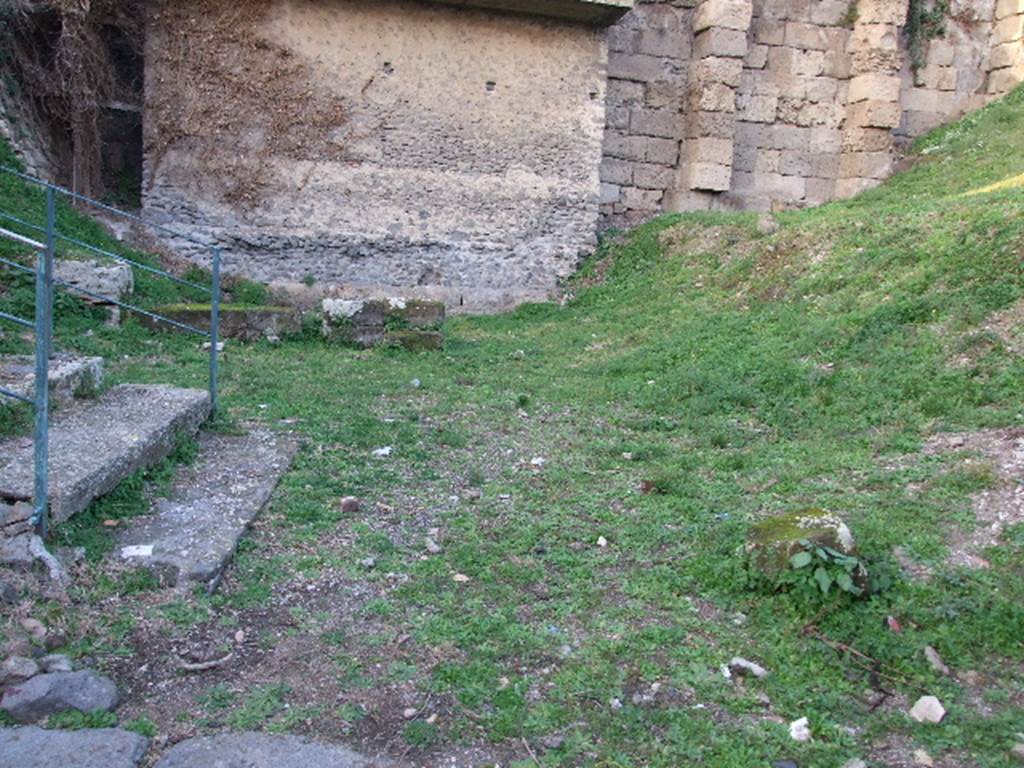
112	280
772	542
1006	8
192	534
874	114
32	747
367	323
70	376
245	323
591	11
874	86
261	750
708	176
94	445
720	42
726	14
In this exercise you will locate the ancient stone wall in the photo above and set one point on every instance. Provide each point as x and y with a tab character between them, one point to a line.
447	153
785	103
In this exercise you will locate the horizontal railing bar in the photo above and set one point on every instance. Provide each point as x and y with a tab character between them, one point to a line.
131	308
109	254
16	265
9	235
102	206
15	395
17	320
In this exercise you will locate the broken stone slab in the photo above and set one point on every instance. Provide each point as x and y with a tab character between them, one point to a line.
928	709
772	542
17	669
412	323
15	519
95	444
45	695
112	280
69	376
192	534
32	747
237	321
261	750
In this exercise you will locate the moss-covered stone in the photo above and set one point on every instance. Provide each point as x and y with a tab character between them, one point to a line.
772	542
369	322
237	321
415	340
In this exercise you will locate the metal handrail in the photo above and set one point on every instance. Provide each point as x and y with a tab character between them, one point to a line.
44	297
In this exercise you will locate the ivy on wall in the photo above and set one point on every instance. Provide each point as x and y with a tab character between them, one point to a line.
926	20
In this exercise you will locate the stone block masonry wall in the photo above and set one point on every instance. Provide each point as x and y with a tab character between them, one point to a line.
791	103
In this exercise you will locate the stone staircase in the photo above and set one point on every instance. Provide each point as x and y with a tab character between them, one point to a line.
97	441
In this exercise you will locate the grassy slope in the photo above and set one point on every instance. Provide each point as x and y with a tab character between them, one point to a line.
745	374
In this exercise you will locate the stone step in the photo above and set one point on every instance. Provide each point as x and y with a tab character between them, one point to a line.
95	444
32	747
262	750
192	534
70	376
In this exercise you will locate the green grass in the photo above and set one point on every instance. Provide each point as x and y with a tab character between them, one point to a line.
730	378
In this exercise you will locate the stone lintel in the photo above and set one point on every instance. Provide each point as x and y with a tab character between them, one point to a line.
588	11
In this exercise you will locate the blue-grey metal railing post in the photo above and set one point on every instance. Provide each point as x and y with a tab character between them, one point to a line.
214	328
44	347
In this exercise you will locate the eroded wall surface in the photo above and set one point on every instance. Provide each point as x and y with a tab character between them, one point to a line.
377	143
766	104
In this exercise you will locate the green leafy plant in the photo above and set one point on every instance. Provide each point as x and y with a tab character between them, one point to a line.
926	20
826	569
76	720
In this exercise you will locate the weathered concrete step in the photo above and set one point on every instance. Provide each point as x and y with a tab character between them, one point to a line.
193	533
70	376
261	750
95	444
32	747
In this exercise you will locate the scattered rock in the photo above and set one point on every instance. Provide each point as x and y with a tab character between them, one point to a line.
409	713
32	747
8	593
48	694
615	704
935	660
767	225
556	741
1017	752
928	709
855	763
383	453
785	764
740	666
772	542
415	383
16	669
368	562
602	542
432	546
460	578
923	758
800	730
409	323
350	505
34	627
55	662
111	280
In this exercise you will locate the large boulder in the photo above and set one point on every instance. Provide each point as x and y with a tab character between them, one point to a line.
112	280
45	695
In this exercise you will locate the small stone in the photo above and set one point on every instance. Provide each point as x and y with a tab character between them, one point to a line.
615	704
767	225
1017	752
383	453
935	660
602	542
368	562
740	666
34	627
239	636
928	709
460	578
415	383
432	546
923	758
971	678
855	763
785	764
111	523
409	713
48	694
555	741
350	505
55	662
503	683
538	461
8	594
433	718
800	730
16	669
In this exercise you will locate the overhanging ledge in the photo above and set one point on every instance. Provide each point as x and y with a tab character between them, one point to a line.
589	11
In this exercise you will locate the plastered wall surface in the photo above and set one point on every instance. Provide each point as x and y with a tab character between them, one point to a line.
453	151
